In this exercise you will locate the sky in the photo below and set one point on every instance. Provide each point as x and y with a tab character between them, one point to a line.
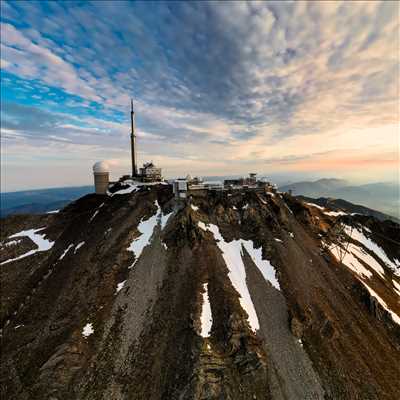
285	89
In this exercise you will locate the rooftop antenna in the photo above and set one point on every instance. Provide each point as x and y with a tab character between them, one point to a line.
133	142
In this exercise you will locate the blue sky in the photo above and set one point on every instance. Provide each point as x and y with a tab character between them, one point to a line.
282	88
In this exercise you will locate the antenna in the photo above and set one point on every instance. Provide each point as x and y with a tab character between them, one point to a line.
133	142
132	119
340	239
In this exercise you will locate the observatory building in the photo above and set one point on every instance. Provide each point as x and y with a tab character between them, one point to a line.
101	177
150	173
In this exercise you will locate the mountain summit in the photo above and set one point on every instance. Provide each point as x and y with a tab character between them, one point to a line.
242	295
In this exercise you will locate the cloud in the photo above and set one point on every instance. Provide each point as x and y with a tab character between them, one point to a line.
226	81
27	59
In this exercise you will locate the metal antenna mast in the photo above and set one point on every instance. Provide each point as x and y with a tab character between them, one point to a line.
133	142
341	240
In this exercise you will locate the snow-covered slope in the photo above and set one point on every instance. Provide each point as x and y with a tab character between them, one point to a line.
133	295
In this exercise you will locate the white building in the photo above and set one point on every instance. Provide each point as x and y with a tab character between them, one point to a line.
213	185
180	188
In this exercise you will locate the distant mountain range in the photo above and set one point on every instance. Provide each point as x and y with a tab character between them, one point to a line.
381	196
40	201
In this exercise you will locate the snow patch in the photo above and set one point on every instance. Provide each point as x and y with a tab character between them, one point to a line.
265	267
334	213
132	187
291	212
78	246
195	208
53	212
202	225
262	200
95	213
39	240
42	243
12	243
291	234
127	190
87	330
120	286
394	316
368	259
358	235
351	259
206	315
66	251
396	287
164	218
232	253
278	240
352	262
246	206
316	206
146	229
93	216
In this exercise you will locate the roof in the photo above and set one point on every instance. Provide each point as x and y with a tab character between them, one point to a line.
101	166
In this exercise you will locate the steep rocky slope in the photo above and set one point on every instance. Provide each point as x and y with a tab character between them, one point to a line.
229	296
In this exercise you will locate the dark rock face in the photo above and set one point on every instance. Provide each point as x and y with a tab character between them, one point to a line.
114	310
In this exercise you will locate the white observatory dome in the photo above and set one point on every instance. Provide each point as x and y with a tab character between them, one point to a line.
101	166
